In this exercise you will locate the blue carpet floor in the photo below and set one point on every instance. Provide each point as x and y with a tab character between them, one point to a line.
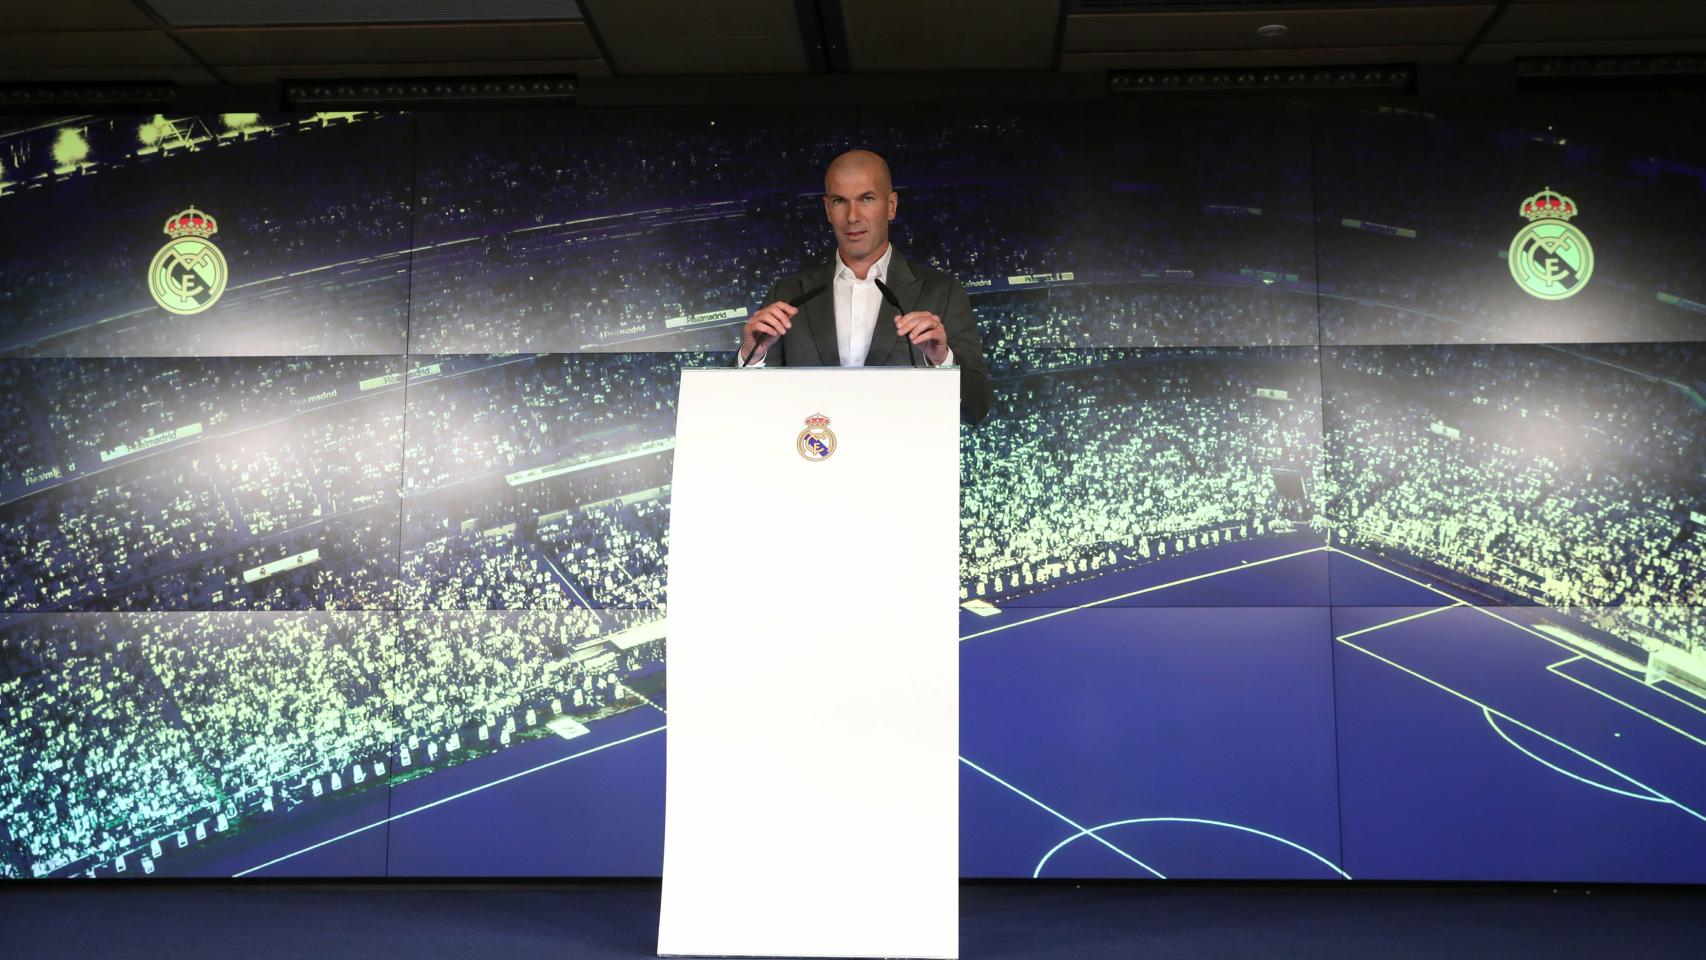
593	921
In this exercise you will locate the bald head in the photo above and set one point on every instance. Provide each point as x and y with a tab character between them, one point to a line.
860	162
859	200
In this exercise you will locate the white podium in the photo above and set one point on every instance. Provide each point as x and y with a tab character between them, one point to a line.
812	794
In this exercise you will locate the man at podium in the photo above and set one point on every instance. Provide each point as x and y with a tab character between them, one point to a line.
869	306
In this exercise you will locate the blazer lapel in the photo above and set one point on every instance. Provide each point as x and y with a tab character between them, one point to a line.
820	316
884	341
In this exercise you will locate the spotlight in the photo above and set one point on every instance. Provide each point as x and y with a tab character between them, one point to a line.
1381	78
1654	71
58	97
429	92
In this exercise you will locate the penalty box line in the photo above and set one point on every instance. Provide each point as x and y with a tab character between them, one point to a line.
1630	675
1553	669
444	800
1490	711
1485	611
1495	712
1576	653
1392	623
1151	589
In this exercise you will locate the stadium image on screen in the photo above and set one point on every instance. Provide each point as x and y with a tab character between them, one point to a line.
1308	538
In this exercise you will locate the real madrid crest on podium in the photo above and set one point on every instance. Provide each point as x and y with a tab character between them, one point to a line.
816	442
189	273
1550	257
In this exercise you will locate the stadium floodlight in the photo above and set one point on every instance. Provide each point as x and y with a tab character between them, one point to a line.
431	92
1380	78
70	149
151	132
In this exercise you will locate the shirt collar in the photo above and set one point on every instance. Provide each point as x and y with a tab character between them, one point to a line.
878	271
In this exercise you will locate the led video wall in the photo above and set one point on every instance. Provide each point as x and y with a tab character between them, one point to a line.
1341	514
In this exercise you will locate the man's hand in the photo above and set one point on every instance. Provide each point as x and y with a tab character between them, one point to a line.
768	323
926	332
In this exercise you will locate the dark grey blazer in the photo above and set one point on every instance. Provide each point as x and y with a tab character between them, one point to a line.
812	343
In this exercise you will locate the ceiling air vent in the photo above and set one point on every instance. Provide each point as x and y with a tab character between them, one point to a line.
300	13
1190	6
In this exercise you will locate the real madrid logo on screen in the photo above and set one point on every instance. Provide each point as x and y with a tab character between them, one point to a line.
816	442
188	274
1550	257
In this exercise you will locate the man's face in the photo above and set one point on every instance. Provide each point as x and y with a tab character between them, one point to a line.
860	207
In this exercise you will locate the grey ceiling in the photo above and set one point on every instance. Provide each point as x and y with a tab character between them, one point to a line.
257	41
229	13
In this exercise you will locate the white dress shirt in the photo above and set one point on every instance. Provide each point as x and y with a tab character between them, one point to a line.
856	305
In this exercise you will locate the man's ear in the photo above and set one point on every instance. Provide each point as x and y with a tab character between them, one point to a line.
894	203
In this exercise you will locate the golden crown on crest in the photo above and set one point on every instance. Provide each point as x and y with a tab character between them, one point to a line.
191	223
1547	205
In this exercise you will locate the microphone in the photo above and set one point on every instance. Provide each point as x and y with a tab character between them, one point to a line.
894	301
796	303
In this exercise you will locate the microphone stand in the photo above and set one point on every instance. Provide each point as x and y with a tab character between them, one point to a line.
796	303
894	301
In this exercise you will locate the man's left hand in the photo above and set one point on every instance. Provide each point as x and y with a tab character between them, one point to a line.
926	332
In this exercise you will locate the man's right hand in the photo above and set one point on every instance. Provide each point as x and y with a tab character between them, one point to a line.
769	323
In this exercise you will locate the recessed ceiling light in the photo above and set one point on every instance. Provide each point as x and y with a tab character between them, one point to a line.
1271	31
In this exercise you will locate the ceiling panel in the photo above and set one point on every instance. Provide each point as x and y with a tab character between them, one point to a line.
1593	20
406	70
1152	6
91	48
897	35
187	13
80	74
441	43
664	37
73	15
1499	52
260	40
1236	30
